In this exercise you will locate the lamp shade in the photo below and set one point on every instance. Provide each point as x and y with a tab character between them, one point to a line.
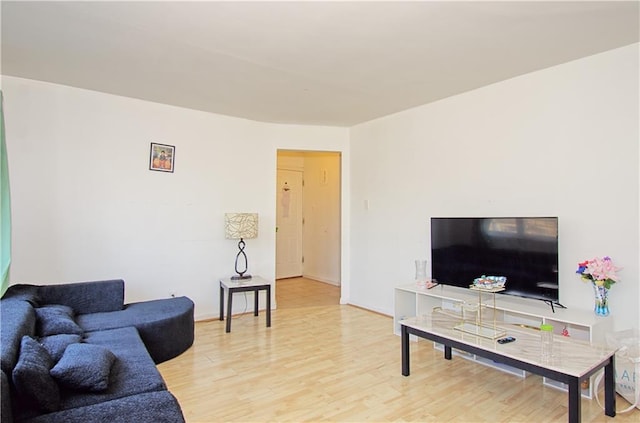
240	225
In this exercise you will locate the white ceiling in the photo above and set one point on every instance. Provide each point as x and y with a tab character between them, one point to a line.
319	63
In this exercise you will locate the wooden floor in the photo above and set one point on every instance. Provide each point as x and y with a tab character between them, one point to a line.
325	362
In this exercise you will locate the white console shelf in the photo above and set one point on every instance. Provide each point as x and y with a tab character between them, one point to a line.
508	311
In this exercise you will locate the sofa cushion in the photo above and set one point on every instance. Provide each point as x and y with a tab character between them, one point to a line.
165	326
149	407
84	367
132	373
31	377
85	297
56	344
6	411
56	319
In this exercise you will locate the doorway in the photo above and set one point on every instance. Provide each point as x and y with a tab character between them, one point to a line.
308	216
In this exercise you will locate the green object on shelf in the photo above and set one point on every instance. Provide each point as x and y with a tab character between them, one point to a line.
546	328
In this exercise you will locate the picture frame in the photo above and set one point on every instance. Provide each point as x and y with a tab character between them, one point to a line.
162	157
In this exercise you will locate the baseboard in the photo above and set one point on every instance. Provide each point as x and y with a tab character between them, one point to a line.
321	279
207	317
372	309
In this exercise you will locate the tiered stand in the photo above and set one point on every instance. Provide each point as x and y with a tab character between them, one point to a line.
477	326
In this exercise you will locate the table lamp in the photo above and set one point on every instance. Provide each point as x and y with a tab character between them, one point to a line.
241	226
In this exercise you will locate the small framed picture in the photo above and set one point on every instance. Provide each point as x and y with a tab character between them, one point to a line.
162	157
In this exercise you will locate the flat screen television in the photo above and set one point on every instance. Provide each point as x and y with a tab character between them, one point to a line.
523	249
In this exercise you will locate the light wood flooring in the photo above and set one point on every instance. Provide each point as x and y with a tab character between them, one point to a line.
325	362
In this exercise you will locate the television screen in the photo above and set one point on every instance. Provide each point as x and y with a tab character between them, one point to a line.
523	249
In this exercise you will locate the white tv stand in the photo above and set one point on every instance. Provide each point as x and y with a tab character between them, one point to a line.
508	311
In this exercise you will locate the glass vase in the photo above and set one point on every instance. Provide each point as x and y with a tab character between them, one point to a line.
421	270
601	300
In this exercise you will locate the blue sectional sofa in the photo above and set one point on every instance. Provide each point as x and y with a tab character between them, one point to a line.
76	353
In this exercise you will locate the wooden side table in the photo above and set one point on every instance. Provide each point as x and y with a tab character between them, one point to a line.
255	285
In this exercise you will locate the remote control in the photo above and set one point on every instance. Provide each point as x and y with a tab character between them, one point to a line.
506	340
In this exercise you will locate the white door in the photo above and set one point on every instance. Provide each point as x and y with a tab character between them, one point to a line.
289	224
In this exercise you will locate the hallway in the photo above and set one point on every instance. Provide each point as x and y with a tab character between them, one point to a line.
302	292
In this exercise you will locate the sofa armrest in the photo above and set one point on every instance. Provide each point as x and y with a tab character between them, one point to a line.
85	297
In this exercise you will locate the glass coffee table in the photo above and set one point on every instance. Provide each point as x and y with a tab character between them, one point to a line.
573	361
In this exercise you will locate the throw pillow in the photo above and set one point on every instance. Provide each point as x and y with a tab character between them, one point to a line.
84	367
56	344
56	319
31	377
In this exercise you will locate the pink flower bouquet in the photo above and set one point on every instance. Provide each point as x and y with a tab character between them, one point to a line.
599	271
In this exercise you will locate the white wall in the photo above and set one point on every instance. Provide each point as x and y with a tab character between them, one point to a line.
558	142
562	141
86	206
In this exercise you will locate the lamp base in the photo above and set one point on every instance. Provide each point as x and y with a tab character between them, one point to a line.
240	277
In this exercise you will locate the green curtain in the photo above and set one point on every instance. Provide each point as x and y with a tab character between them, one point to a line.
5	206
